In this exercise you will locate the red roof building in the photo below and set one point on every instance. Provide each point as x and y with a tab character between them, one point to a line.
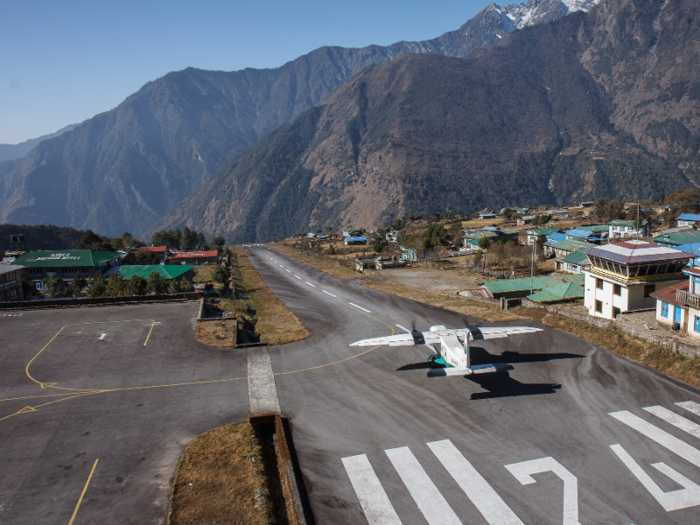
201	257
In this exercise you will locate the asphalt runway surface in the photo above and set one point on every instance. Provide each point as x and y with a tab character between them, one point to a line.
570	434
97	405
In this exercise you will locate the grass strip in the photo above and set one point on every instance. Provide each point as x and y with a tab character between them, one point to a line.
221	479
219	333
274	324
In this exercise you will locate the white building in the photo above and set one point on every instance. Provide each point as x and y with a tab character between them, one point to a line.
687	220
681	303
623	275
627	229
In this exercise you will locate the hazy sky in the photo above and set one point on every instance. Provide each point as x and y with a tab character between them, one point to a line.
62	62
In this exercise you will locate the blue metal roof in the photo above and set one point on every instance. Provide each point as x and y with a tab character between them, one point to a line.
582	234
556	236
356	239
688	217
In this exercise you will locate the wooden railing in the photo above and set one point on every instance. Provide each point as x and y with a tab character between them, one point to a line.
688	298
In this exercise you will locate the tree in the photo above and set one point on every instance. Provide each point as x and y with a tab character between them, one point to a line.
508	214
201	241
77	285
379	245
117	244
188	240
433	236
218	242
88	239
97	287
169	238
484	244
131	242
541	220
116	285
137	285
157	283
478	256
220	275
328	230
331	250
54	288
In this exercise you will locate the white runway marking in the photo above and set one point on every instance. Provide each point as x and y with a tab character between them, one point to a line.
430	501
289	271
329	293
10	315
373	499
281	266
477	489
298	277
363	309
662	437
102	336
307	282
677	421
403	328
689	496
690	406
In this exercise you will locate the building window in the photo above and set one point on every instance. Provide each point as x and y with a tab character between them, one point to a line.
664	310
648	290
697	323
599	284
599	307
617	289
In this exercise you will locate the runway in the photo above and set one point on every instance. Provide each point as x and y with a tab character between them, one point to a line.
571	434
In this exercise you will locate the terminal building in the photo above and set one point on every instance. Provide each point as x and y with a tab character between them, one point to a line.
41	265
624	275
10	283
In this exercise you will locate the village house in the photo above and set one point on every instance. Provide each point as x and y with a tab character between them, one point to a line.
539	235
575	262
565	247
492	233
159	251
11	283
196	258
624	275
675	239
627	229
688	219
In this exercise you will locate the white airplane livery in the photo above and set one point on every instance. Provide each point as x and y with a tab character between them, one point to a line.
453	349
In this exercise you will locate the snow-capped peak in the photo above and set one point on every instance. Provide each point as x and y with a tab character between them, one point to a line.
537	11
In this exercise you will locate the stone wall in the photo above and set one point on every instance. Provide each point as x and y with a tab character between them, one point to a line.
87	301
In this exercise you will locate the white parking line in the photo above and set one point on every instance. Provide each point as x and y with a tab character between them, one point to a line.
329	293
373	499
363	309
477	489
307	282
430	501
404	328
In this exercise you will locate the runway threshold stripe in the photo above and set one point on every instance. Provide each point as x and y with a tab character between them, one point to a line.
329	293
477	489
430	501
403	328
373	499
363	309
677	421
690	406
307	282
663	438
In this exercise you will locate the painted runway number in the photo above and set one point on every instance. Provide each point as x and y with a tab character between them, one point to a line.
435	509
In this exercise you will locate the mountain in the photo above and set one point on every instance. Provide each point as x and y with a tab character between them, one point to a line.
17	151
593	105
126	168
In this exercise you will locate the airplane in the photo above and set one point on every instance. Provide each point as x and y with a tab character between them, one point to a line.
453	352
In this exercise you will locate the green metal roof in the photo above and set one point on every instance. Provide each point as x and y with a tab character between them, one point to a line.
542	231
571	245
595	228
538	283
169	271
577	257
674	239
558	292
65	258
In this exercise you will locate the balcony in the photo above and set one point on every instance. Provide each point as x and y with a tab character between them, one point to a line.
687	298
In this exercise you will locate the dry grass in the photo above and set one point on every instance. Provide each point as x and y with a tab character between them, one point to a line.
203	274
222	479
657	357
221	333
462	305
274	324
325	263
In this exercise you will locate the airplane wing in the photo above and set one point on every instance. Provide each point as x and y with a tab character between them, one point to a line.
416	338
499	332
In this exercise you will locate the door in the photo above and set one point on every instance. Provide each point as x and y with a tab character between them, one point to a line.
677	314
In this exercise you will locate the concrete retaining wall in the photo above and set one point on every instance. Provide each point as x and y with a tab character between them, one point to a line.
687	349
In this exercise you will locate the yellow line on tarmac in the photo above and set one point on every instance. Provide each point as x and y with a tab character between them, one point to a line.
82	494
149	333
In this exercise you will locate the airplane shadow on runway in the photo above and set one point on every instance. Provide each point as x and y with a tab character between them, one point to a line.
500	384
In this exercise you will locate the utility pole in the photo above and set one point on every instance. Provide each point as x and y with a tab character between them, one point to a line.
532	262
